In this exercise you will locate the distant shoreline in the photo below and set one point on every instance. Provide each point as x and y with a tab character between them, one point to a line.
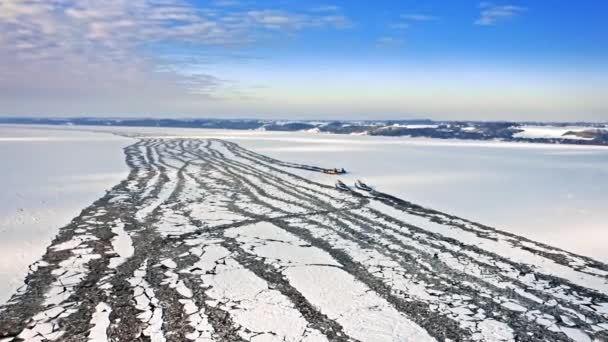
533	132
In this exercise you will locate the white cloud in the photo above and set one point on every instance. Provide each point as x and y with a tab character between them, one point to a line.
407	20
490	13
388	41
418	17
282	20
400	26
325	8
226	3
96	45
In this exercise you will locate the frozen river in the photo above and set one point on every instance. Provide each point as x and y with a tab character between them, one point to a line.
549	193
209	241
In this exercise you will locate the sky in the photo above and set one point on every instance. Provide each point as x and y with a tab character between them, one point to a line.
315	59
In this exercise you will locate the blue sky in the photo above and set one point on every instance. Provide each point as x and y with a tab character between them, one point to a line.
513	60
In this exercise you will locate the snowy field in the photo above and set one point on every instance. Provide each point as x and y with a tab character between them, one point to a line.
47	177
551	132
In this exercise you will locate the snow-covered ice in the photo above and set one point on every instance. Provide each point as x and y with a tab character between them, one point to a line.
48	177
234	244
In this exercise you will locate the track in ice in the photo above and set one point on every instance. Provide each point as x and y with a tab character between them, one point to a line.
207	241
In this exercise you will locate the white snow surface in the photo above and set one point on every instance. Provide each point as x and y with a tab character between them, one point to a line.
100	322
535	132
47	177
121	244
